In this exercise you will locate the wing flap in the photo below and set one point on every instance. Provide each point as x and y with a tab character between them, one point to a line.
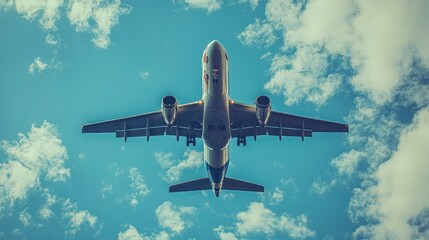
272	131
158	131
289	132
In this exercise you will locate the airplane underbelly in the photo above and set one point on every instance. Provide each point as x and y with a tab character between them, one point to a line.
216	158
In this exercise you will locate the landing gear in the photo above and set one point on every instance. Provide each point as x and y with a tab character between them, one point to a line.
190	138
241	140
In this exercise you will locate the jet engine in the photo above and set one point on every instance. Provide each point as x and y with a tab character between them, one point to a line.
263	109
169	109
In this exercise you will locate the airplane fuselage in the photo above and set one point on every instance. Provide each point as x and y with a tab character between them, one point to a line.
216	118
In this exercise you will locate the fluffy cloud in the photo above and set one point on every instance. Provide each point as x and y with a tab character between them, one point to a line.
132	234
77	217
277	196
98	17
395	200
45	211
95	16
258	33
171	217
47	11
37	156
38	65
259	219
193	159
138	185
347	163
378	41
51	40
303	76
253	3
25	218
207	5
223	234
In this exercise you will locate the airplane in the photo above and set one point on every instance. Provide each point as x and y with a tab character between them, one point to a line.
216	119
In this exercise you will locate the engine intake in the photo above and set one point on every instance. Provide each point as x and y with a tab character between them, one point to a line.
169	109
263	109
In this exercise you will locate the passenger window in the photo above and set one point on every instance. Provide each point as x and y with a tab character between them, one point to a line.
215	74
211	128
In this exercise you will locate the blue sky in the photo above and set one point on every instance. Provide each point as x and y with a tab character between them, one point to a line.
68	62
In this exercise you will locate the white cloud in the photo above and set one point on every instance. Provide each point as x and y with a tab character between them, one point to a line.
107	188
395	202
193	159
38	65
138	185
132	234
347	162
165	160
223	235
81	156
258	219
51	40
171	217
97	17
253	3
379	41
36	156
30	10
144	75
277	196
25	217
45	211
258	34
77	217
303	76
207	5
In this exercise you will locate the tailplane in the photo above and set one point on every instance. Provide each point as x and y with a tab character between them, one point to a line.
194	185
234	184
205	184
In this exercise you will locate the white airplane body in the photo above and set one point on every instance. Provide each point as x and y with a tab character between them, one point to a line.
216	119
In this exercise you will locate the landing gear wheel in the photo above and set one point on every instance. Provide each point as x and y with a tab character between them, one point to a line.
190	138
241	140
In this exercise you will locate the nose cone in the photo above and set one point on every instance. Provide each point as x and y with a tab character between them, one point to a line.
215	47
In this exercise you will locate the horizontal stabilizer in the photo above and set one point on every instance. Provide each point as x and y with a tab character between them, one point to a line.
234	184
194	185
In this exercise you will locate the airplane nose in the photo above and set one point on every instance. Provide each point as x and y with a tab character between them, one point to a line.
215	46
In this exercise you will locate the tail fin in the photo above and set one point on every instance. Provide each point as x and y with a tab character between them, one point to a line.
234	184
194	185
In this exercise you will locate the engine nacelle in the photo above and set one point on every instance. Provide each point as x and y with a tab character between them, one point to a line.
169	109
263	110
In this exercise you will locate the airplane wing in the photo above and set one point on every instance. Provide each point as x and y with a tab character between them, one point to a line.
245	123
188	121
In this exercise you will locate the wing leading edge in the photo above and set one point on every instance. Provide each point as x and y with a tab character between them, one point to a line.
245	123
188	121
